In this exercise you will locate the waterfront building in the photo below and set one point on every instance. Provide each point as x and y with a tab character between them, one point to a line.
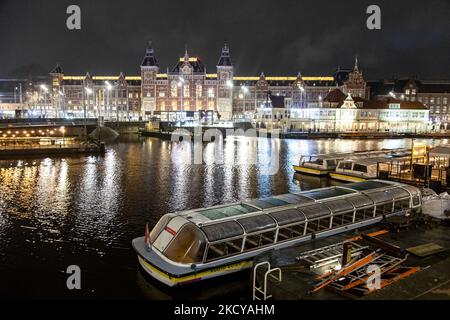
187	92
184	92
434	94
340	112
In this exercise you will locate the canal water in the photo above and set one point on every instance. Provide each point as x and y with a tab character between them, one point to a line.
85	210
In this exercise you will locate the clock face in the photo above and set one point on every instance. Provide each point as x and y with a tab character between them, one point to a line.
186	69
224	75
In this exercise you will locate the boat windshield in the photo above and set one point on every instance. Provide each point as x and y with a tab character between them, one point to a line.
162	223
316	160
188	246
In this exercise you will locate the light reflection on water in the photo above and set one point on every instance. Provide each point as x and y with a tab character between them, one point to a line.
85	210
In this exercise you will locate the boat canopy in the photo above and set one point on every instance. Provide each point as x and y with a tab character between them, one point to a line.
203	235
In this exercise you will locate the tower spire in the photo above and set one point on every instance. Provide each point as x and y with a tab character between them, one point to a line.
149	58
356	63
186	55
225	57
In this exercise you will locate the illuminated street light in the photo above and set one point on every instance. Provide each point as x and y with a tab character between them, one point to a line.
88	90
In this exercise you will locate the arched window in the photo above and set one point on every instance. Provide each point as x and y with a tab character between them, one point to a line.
173	89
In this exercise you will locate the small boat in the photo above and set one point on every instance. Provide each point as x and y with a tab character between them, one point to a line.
324	164
319	164
362	169
199	244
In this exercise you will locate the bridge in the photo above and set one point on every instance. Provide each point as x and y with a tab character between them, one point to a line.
71	126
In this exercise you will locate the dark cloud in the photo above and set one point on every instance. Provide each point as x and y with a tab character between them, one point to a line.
277	37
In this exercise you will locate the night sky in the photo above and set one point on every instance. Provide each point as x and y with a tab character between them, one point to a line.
278	37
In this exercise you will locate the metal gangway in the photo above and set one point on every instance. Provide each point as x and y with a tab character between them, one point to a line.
260	292
330	254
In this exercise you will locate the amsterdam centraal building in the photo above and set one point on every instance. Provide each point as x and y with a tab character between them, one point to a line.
184	92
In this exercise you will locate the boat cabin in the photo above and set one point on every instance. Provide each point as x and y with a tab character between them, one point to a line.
203	236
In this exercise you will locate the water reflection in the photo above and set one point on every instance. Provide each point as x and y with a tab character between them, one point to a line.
57	211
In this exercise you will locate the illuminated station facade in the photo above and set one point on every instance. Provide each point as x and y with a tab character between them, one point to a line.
186	91
188	94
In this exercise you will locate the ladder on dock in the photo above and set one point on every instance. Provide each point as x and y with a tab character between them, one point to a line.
260	292
330	254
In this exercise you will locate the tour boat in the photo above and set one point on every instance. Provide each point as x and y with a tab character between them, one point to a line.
324	164
362	169
319	164
198	244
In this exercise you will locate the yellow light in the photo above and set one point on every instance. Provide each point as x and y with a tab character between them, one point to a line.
9	132
193	59
17	132
28	134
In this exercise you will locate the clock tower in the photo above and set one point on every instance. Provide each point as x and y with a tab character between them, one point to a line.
225	84
149	72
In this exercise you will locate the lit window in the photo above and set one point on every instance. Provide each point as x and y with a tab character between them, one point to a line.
198	90
174	89
186	90
162	94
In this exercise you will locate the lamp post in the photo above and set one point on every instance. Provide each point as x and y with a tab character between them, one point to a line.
43	88
108	89
61	105
180	84
244	90
230	85
88	92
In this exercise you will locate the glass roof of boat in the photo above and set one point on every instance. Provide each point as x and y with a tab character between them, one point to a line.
327	193
338	205
314	210
359	200
257	223
227	211
388	194
277	201
366	185
223	230
287	216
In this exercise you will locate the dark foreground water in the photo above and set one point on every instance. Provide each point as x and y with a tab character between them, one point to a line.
85	210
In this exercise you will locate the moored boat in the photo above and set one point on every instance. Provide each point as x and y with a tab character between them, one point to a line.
198	244
324	164
362	169
319	164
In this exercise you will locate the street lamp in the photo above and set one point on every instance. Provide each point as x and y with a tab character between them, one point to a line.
88	92
180	84
61	106
244	90
44	88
